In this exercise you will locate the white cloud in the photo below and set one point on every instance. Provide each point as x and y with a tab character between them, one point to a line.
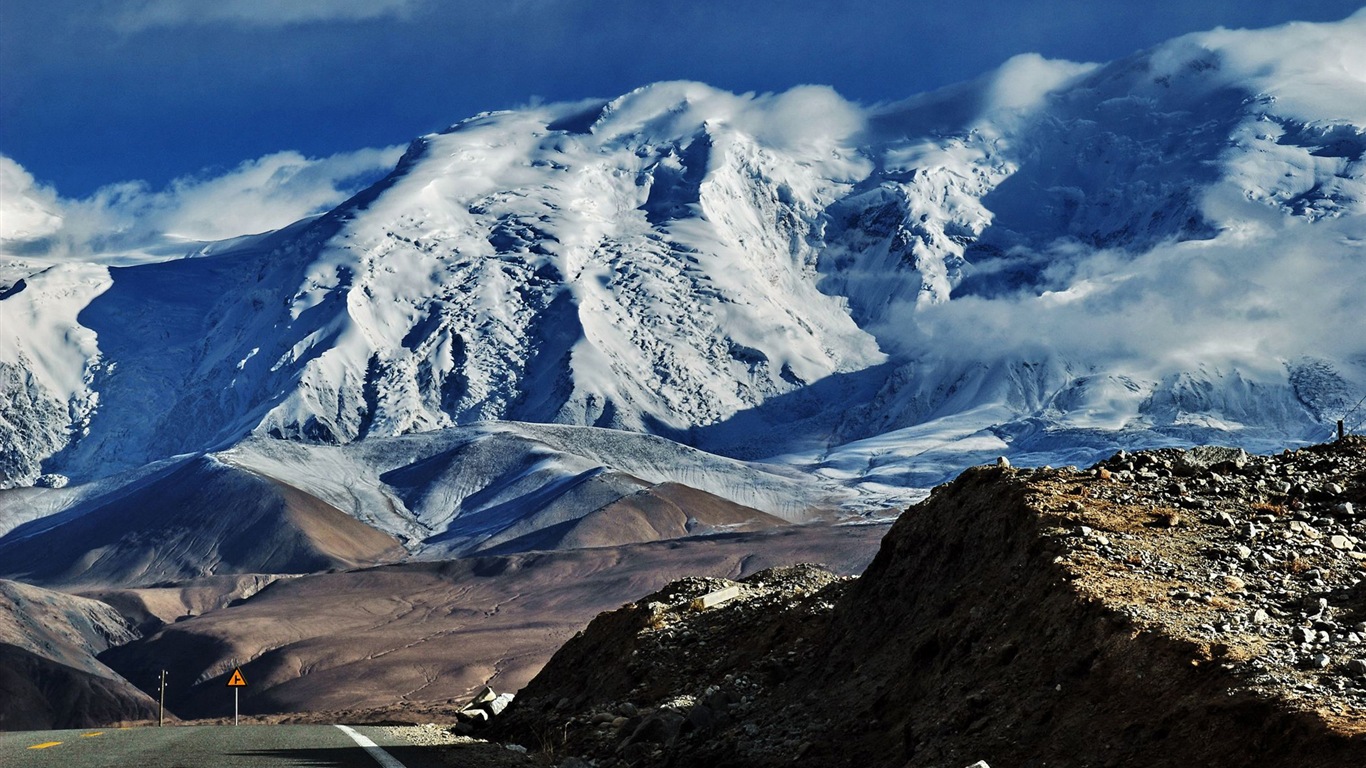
133	17
130	218
1024	81
1246	299
28	210
801	117
1313	71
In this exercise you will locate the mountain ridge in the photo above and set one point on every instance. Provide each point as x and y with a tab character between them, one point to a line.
1054	252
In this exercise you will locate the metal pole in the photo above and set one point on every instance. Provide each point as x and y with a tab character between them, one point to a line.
1340	431
161	703
234	706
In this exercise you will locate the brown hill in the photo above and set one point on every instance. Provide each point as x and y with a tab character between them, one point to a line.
49	677
654	513
408	641
195	519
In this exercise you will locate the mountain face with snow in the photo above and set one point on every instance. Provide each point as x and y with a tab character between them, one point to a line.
1048	262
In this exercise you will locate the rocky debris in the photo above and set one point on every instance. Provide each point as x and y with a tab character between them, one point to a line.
1270	572
462	750
1161	608
486	705
684	680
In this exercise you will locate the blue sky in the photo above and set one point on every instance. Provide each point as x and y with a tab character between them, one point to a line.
94	92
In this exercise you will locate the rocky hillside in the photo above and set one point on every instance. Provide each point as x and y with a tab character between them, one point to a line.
1163	608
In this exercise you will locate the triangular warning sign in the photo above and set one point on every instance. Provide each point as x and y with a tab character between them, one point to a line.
237	681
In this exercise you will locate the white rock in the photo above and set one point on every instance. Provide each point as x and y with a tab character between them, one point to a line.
498	704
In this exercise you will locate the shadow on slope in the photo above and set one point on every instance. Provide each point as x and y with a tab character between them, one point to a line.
49	677
196	519
38	694
804	417
658	513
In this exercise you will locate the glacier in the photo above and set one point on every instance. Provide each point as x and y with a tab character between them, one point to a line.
1050	262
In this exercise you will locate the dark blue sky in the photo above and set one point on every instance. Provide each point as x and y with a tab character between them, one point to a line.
98	91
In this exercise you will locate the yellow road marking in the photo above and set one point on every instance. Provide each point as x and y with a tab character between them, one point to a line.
45	745
88	735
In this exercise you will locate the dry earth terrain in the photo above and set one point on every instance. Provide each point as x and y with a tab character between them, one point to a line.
402	642
49	677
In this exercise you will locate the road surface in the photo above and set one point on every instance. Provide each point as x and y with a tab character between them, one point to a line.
247	746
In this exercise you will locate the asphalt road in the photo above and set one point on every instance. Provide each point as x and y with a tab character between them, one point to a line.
267	746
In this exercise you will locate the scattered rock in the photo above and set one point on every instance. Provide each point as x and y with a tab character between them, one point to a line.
713	599
474	717
486	705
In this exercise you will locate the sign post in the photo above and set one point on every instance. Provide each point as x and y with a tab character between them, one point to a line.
236	682
161	702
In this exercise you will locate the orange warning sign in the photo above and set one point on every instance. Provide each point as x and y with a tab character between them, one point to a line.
237	681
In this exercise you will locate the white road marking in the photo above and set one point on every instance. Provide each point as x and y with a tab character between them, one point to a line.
385	759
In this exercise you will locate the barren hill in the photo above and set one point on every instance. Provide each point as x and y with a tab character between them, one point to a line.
195	518
49	677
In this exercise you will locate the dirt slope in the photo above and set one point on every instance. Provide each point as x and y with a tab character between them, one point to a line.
1154	611
199	518
655	513
411	641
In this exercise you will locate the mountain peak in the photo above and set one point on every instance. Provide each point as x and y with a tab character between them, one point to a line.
978	266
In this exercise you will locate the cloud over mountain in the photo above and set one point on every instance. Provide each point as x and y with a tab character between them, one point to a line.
125	219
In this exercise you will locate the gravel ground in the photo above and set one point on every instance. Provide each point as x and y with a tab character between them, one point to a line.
1259	558
464	751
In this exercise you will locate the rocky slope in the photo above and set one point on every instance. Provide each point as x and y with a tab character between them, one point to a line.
1161	609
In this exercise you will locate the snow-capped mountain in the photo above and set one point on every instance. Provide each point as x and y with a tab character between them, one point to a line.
1047	262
